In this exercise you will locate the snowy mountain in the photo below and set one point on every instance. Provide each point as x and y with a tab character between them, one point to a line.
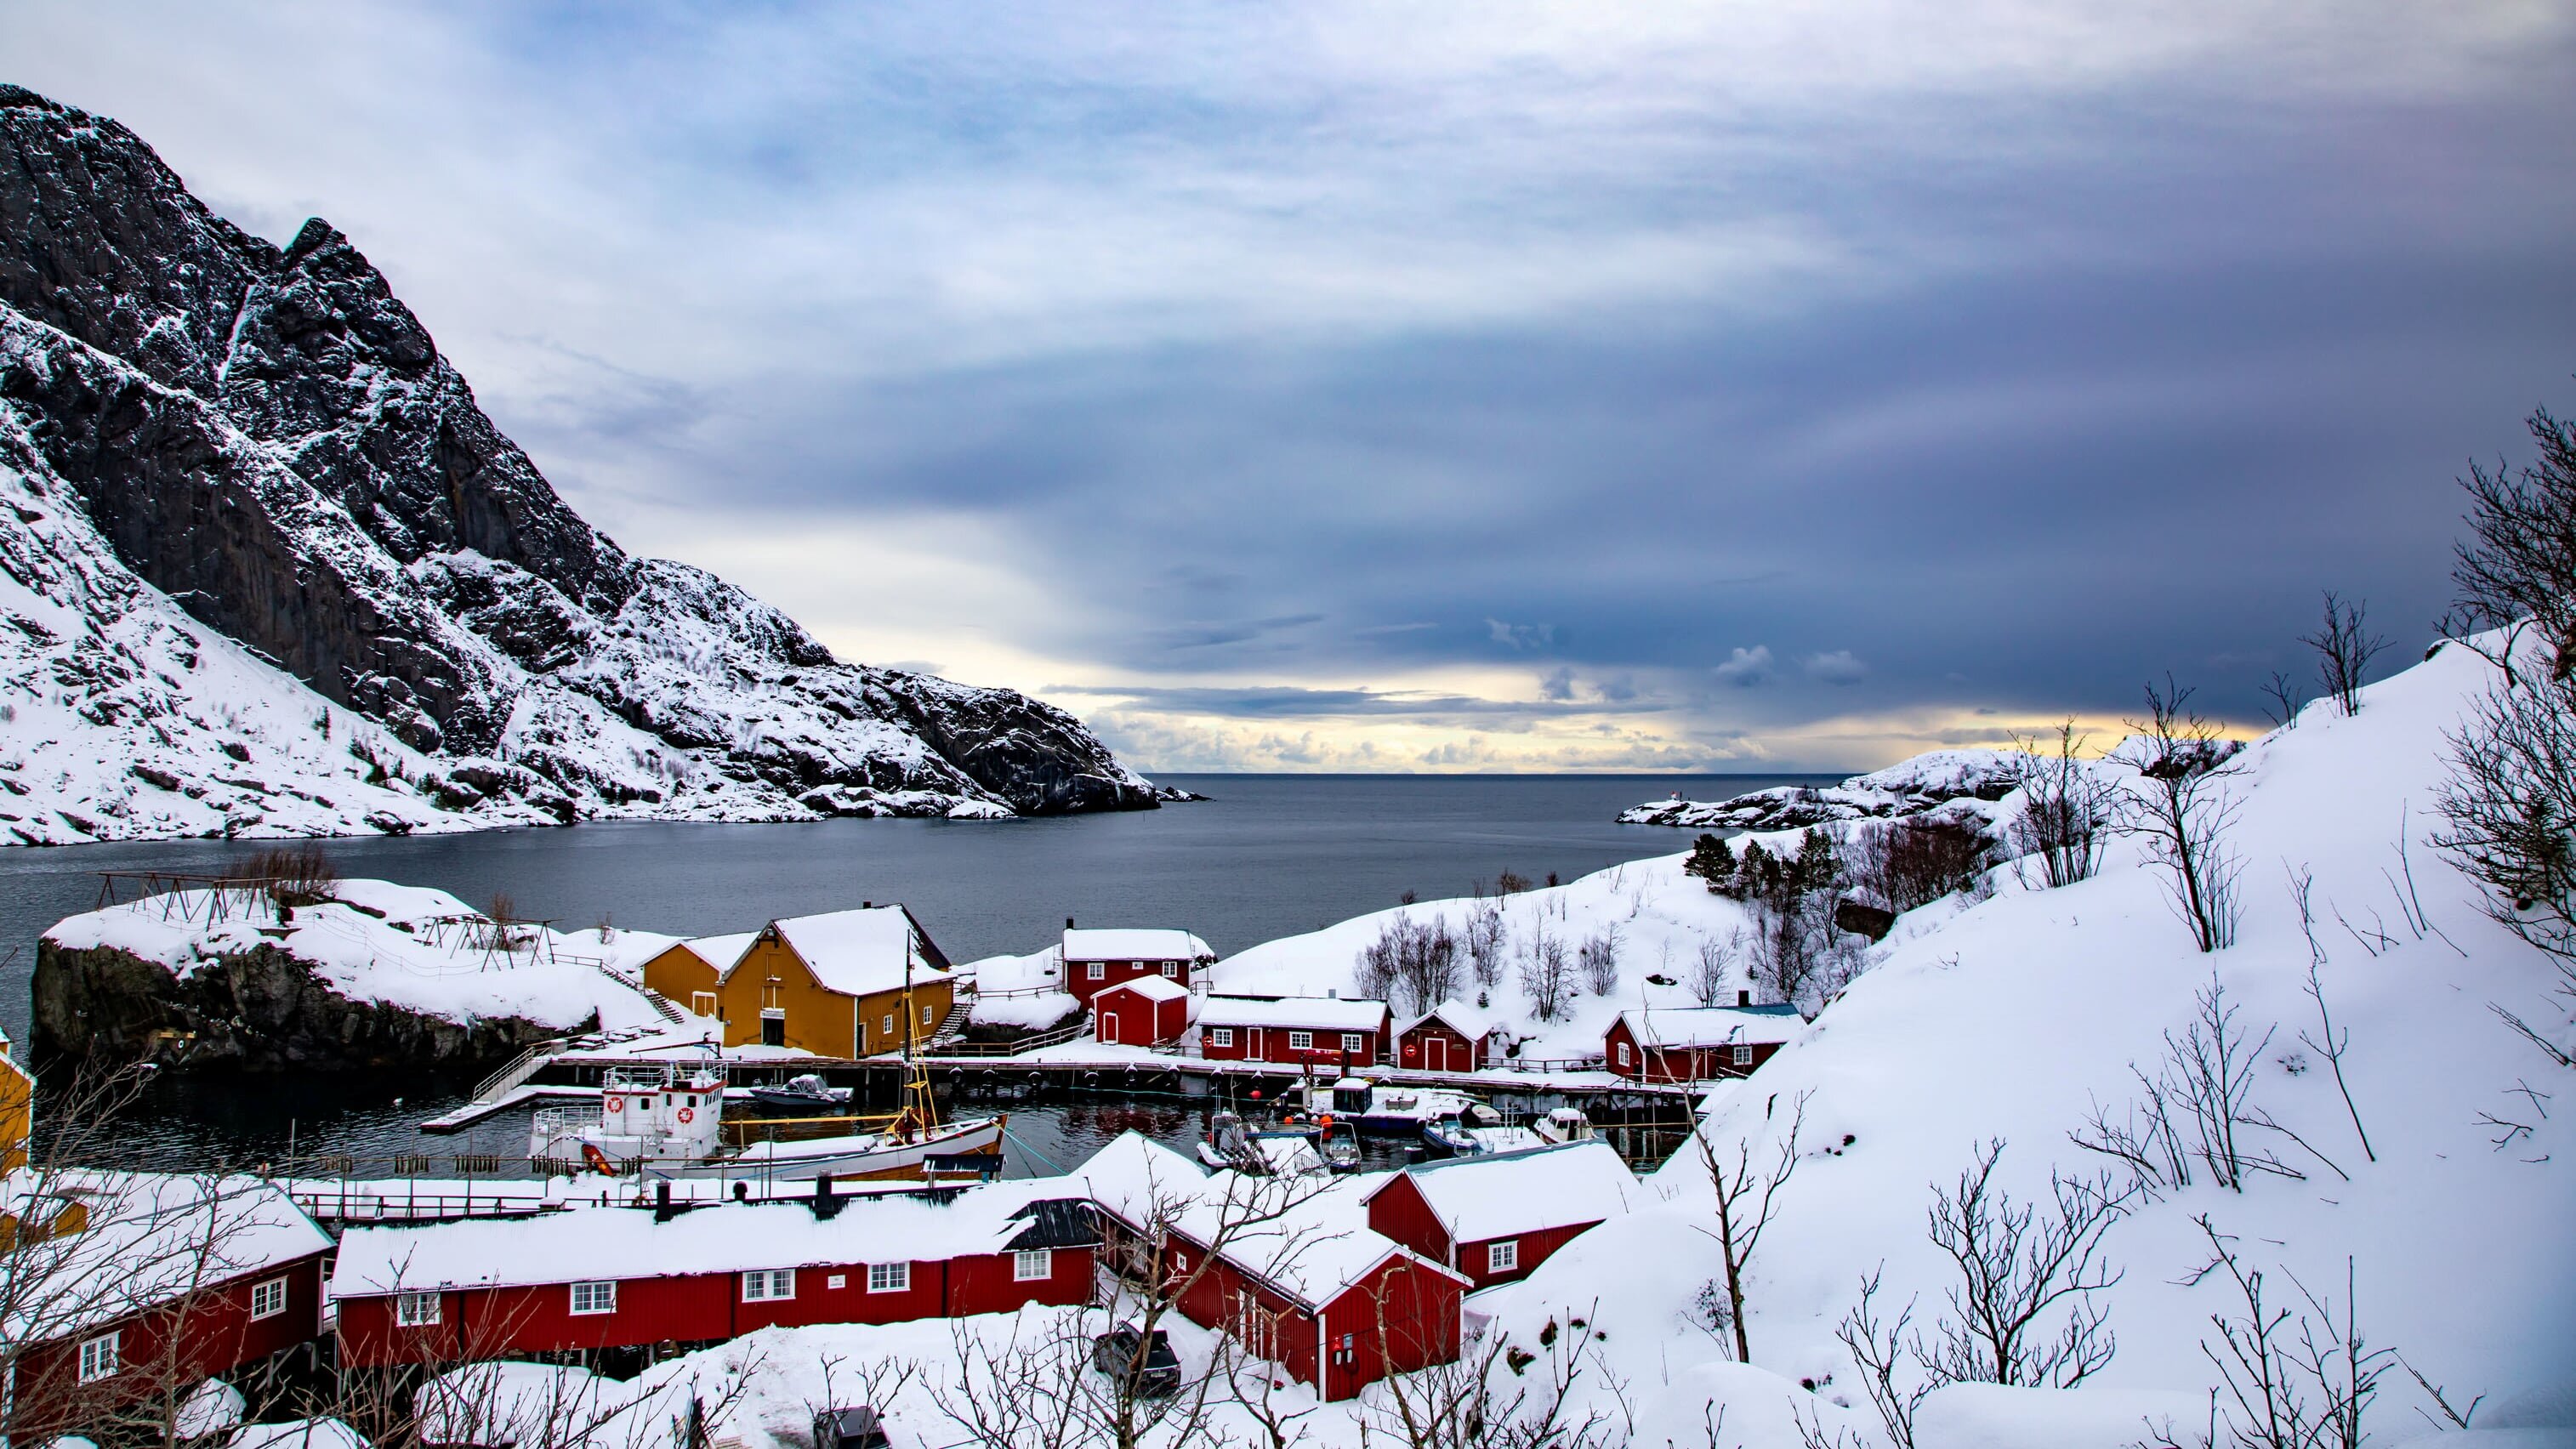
260	542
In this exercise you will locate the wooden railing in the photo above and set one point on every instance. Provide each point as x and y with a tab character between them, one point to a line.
1016	1047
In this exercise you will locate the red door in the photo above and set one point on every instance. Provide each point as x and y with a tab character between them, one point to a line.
1435	1052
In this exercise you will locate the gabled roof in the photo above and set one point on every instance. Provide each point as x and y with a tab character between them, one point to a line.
1504	1195
1152	988
151	1237
1315	1250
861	952
721	951
1324	1013
1134	944
1468	1021
1708	1026
585	1244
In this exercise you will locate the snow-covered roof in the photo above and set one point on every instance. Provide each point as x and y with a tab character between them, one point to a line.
722	951
1135	1173
151	1237
1134	944
1706	1026
1152	988
862	952
1324	1013
625	1243
1309	1239
1471	1022
1505	1195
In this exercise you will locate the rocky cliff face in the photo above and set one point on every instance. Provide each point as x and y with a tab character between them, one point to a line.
267	445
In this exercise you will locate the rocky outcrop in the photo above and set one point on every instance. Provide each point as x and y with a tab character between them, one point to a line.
272	443
261	1010
1912	787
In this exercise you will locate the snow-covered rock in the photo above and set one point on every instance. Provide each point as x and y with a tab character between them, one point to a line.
267	569
1908	787
375	975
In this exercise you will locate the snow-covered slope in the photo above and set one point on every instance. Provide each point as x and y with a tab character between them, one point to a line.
204	438
2009	1019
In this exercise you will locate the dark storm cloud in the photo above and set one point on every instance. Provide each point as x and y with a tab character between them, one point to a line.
1730	372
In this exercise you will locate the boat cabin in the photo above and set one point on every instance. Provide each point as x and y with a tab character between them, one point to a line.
1145	1011
1301	1031
1451	1037
834	984
1096	959
1495	1217
1697	1044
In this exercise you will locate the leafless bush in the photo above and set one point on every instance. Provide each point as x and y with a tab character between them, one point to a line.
1496	1395
2290	1380
1546	975
1915	861
1484	942
2286	698
2517	570
1796	957
1597	960
2198	1107
1511	883
1413	964
1747	1195
2510	802
2067	809
1715	969
298	874
2183	811
2344	646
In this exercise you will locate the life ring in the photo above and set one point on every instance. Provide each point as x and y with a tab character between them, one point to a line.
616	1103
686	1114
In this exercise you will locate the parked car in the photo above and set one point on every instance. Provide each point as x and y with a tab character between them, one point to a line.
1114	1353
856	1428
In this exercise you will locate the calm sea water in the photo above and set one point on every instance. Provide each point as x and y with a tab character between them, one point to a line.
1267	856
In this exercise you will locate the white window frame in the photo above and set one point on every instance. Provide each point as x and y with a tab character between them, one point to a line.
1301	1041
925	1016
267	1300
594	1296
1503	1255
415	1310
768	1285
1172	970
886	1026
890	1277
1094	970
1222	1036
1623	1054
1026	1259
1355	1041
101	1357
1743	1052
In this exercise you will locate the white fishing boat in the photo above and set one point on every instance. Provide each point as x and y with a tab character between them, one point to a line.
1565	1124
1372	1107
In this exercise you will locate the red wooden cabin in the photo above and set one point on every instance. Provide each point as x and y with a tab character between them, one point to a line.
148	1282
1495	1218
599	1278
1696	1043
1450	1037
1297	1031
1094	959
1145	1011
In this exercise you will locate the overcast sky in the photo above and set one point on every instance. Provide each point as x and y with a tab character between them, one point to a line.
1474	386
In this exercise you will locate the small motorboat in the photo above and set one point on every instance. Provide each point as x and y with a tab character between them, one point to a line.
1565	1124
1339	1145
804	1093
1394	1111
1475	1131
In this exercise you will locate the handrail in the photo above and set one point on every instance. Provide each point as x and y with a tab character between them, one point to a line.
1017	1047
518	1069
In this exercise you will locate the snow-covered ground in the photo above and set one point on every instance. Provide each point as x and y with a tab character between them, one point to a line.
408	946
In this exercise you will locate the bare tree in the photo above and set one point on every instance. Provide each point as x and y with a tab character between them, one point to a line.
1496	1395
1546	975
1915	861
2067	809
1597	959
1413	964
2028	1271
1881	1347
2198	1107
2289	1380
2286	698
1484	942
2329	1042
1715	969
1747	1195
2182	810
2344	646
2517	570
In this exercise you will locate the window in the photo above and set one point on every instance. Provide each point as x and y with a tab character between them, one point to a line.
889	1277
1172	968
762	1285
1354	1042
886	1026
925	1016
594	1297
702	1003
415	1310
1623	1054
1032	1265
1301	1041
1743	1054
98	1358
1094	970
1221	1036
1503	1257
268	1299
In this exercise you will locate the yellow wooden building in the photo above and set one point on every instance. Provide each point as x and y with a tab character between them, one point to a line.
834	984
690	971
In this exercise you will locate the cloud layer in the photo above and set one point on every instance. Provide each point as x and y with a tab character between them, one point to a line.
1457	386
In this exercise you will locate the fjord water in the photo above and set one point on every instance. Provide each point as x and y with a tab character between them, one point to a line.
1266	856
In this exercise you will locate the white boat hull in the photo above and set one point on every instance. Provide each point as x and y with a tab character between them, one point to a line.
847	1158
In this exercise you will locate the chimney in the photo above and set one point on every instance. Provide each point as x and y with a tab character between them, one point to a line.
826	1206
867	905
1068	923
662	1210
1744	998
